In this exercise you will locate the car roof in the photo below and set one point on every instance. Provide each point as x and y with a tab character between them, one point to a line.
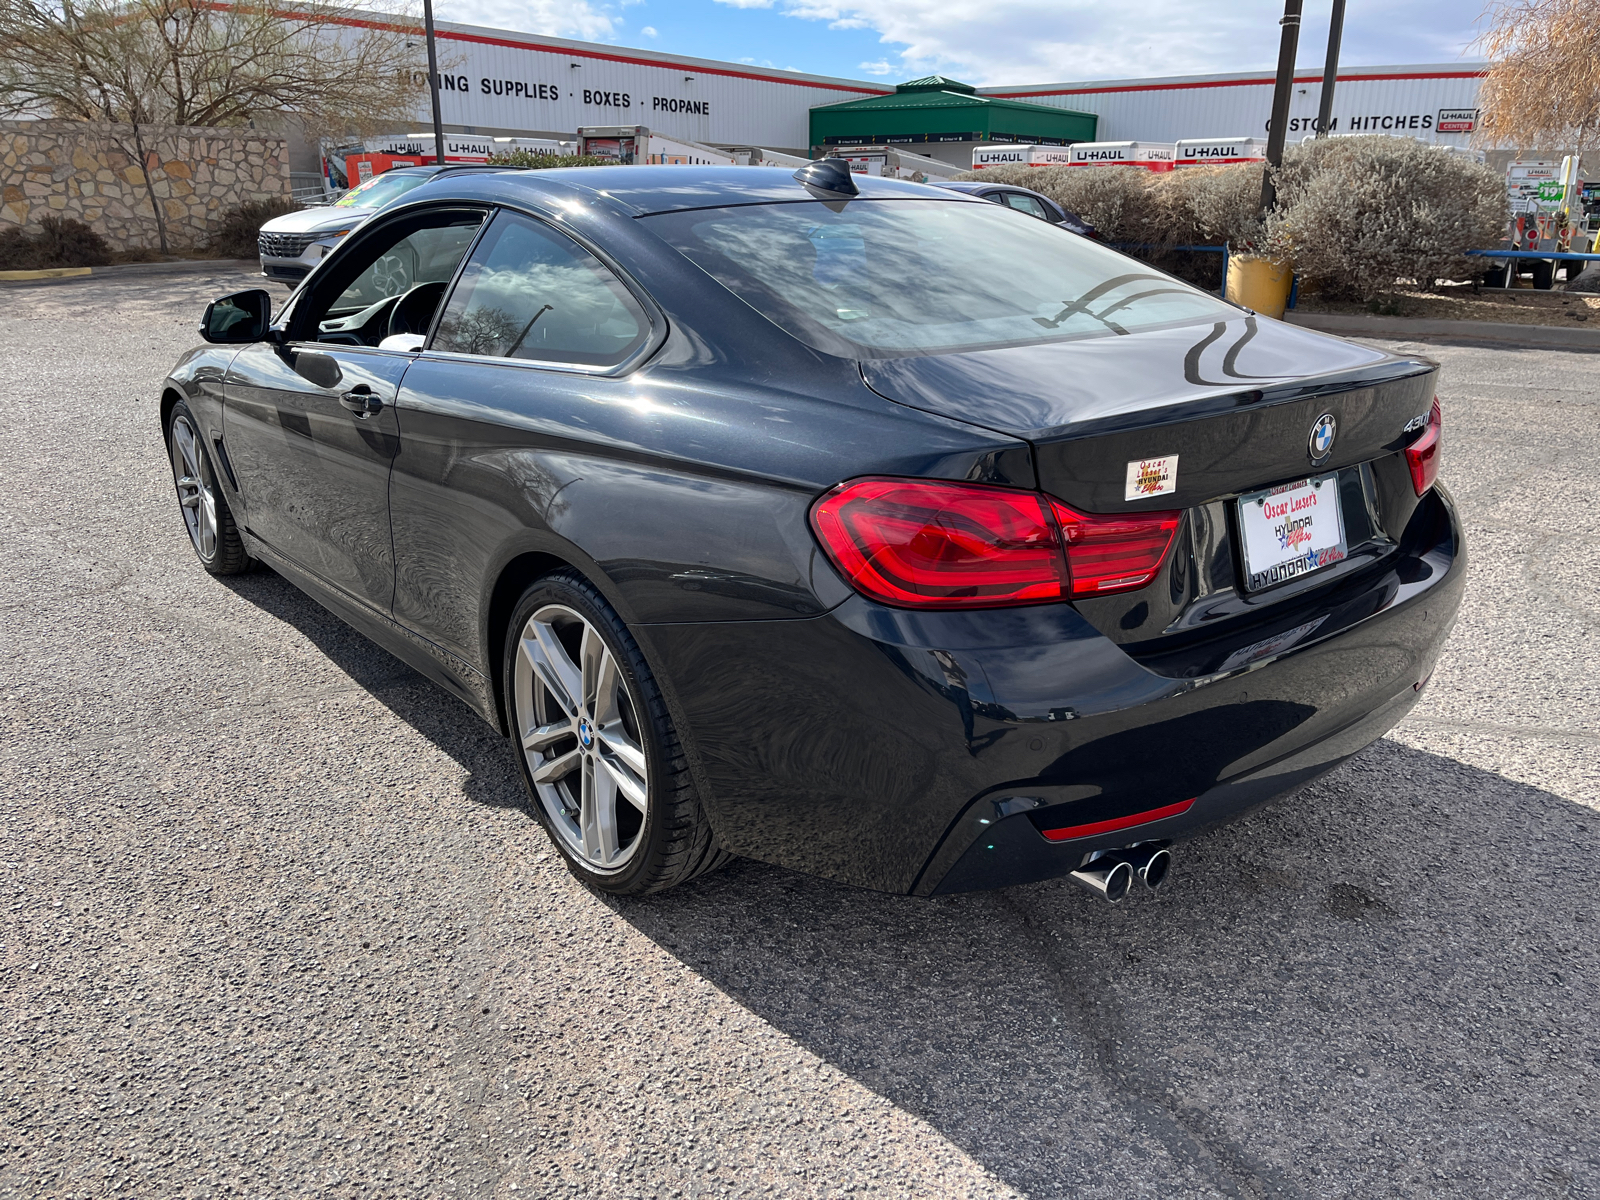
973	186
657	189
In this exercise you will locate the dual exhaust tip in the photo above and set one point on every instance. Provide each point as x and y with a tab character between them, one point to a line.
1111	873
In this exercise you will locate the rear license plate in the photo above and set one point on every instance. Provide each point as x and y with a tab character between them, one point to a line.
1291	530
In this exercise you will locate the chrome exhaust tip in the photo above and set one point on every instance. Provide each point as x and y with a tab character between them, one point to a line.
1109	877
1149	862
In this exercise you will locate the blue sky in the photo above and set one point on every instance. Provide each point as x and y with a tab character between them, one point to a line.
993	41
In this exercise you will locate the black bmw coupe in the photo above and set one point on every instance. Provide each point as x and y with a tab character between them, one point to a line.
849	524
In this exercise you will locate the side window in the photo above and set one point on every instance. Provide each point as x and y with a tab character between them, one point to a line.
389	284
426	256
532	292
1027	204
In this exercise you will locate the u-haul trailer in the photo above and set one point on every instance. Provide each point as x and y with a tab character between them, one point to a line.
1216	152
892	162
1152	156
1020	156
636	144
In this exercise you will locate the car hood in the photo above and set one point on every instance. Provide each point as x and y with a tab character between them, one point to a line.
315	220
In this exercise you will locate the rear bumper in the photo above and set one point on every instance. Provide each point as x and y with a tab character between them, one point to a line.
924	752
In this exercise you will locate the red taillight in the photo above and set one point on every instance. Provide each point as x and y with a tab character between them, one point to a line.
923	544
928	544
1108	554
1422	456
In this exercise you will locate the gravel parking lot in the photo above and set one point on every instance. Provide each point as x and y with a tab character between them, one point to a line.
276	922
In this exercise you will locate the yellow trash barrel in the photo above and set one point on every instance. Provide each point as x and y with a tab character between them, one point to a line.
1260	284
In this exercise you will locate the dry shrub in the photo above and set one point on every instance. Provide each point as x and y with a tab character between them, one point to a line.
1211	206
1360	213
1354	215
1195	206
235	235
55	242
540	160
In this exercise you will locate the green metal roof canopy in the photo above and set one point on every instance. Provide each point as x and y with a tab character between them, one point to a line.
937	109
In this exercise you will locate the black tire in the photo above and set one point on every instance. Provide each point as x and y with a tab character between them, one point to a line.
674	844
220	550
1544	274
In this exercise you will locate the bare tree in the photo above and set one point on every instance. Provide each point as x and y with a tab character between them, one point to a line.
139	63
1543	84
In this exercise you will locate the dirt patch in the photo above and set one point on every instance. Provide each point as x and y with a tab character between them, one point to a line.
1458	302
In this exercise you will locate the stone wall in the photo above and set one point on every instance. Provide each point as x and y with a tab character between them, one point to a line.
94	173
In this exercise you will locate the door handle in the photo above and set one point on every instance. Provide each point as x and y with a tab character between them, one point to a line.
362	400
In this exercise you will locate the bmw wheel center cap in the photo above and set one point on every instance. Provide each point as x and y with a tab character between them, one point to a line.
585	734
1320	444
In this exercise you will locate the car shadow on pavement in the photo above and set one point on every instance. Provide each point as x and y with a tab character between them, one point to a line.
1364	989
433	712
1383	985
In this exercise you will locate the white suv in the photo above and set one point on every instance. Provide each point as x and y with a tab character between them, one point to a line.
292	244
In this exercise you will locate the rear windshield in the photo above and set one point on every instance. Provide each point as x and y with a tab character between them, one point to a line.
887	277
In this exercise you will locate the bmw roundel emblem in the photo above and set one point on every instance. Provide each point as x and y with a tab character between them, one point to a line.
585	734
1322	435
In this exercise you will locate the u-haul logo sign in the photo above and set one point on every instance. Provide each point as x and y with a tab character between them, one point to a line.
1197	152
1456	120
999	156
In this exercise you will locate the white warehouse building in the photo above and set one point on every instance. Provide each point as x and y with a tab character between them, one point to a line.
1435	103
502	83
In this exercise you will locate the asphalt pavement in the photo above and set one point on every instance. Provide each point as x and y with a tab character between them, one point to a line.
276	922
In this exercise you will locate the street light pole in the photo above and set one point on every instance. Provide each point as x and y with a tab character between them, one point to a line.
1288	45
433	83
1330	70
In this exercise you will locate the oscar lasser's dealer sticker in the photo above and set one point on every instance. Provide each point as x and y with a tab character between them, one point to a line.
1152	477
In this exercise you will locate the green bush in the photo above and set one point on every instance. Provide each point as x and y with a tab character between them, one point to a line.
538	160
235	235
55	242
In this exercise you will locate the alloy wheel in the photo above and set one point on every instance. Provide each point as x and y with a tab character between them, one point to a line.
196	500
579	729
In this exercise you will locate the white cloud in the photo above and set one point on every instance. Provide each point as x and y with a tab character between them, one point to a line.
1039	41
649	31
881	67
579	19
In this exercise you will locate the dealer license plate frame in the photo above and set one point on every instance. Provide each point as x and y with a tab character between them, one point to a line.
1249	509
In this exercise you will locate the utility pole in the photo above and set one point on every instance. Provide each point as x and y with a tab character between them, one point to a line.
433	83
1288	45
1330	70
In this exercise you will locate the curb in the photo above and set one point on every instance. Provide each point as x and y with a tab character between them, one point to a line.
48	273
1540	337
187	266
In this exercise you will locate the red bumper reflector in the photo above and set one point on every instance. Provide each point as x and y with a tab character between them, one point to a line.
1094	828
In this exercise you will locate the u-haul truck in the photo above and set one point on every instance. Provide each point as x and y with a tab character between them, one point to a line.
458	148
1021	156
1152	156
1216	152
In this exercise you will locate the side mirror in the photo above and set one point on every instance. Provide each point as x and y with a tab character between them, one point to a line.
239	318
